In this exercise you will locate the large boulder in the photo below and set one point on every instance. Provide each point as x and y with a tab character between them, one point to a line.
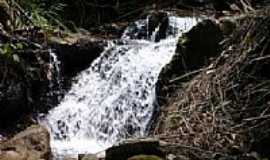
194	50
31	144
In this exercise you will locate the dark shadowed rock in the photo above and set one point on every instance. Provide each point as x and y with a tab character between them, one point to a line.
194	50
13	91
31	144
161	20
198	45
227	26
13	102
23	85
145	30
77	56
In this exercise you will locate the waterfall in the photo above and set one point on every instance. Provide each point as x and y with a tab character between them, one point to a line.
114	98
55	64
55	89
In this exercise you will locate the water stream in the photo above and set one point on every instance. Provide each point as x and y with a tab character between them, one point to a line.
114	98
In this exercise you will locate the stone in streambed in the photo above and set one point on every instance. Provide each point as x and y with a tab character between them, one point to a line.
88	157
130	148
145	157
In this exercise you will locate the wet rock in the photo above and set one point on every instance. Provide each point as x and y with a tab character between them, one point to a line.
145	157
77	56
88	157
194	50
31	144
69	158
158	20
132	148
97	156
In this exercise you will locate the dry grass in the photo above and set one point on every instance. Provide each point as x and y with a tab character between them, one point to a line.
225	109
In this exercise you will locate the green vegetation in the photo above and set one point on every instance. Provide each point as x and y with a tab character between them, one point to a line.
41	13
18	14
9	50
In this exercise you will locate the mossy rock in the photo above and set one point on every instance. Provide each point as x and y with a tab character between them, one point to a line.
145	157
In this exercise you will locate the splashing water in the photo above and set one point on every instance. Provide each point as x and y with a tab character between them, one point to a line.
113	99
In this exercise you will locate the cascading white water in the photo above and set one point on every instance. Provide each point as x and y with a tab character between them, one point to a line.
54	76
113	99
55	63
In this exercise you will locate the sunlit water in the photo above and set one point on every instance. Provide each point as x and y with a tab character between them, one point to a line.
114	98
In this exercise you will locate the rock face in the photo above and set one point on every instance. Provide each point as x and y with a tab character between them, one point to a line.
194	50
31	144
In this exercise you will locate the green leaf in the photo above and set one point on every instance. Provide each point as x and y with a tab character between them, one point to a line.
7	50
19	46
16	58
